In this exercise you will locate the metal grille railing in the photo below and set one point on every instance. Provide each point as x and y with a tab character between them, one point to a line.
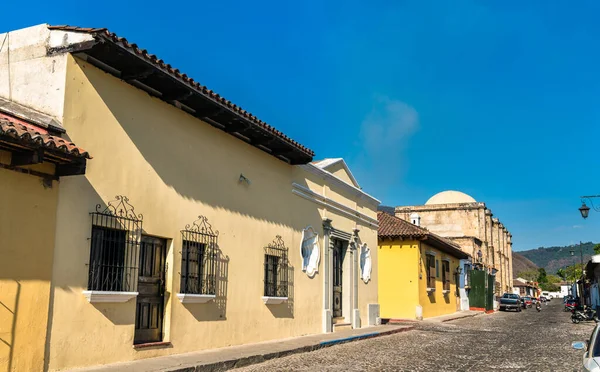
114	252
276	269
199	258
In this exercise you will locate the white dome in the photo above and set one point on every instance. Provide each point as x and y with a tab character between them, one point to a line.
450	197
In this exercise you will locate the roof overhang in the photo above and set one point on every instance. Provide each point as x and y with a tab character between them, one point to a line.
136	67
29	145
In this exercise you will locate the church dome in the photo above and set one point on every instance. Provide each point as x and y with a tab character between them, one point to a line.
450	197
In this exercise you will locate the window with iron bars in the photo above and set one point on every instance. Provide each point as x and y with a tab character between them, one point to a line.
199	258
276	269
115	241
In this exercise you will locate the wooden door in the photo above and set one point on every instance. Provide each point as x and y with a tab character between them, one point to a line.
151	283
338	259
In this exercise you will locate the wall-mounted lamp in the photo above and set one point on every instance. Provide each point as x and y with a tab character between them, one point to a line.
244	179
459	270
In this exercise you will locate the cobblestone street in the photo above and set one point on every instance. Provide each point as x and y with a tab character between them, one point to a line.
528	340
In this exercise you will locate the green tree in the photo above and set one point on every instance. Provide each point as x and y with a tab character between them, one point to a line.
529	275
597	248
550	287
553	279
573	272
561	274
542	276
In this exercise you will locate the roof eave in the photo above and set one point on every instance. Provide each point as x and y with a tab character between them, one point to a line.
138	68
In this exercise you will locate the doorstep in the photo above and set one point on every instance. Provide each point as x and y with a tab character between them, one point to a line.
238	356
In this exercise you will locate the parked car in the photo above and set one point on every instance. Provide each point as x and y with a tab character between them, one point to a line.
591	348
510	301
547	295
527	302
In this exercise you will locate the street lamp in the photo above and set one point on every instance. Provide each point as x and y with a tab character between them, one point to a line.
584	209
572	251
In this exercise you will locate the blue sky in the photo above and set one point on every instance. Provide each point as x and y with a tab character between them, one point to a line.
497	100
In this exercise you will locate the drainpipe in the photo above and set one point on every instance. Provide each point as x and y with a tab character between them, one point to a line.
327	313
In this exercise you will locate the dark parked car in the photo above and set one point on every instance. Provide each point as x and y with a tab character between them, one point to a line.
510	301
527	302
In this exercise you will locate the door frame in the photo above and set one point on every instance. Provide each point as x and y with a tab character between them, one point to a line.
350	280
162	286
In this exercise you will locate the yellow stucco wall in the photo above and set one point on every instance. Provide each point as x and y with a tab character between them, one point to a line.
340	172
27	225
403	281
173	168
437	303
398	278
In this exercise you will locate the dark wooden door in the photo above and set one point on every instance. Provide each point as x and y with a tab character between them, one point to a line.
151	283
338	259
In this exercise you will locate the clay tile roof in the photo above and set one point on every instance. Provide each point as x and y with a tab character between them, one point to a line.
28	135
150	58
396	228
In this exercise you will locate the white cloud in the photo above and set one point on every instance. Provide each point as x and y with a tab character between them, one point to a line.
389	124
384	134
577	226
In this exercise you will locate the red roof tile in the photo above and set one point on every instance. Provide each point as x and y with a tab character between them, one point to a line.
30	135
393	227
159	63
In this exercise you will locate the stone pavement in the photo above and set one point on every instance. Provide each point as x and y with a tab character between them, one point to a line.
506	341
237	356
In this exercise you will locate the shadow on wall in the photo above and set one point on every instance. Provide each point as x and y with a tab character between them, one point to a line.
174	143
431	296
216	309
285	309
12	314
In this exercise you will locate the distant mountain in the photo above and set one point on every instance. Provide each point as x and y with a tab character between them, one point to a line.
521	263
386	209
554	258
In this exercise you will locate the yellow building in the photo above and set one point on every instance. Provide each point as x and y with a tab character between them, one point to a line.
222	232
418	271
33	158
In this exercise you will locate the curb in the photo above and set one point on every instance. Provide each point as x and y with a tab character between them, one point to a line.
461	317
255	359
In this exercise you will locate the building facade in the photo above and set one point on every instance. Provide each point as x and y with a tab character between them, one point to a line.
420	273
194	226
459	217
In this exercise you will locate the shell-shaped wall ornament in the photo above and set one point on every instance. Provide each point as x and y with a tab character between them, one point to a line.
365	263
310	252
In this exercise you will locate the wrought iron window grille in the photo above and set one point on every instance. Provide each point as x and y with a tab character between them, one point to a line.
115	243
199	258
276	269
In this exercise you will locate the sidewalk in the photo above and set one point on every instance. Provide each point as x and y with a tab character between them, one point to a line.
454	316
440	319
238	356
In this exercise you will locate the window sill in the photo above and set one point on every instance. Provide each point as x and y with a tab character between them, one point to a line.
446	291
108	296
430	290
274	300
187	298
152	345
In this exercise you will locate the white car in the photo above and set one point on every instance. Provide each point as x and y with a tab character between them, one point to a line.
548	295
591	357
